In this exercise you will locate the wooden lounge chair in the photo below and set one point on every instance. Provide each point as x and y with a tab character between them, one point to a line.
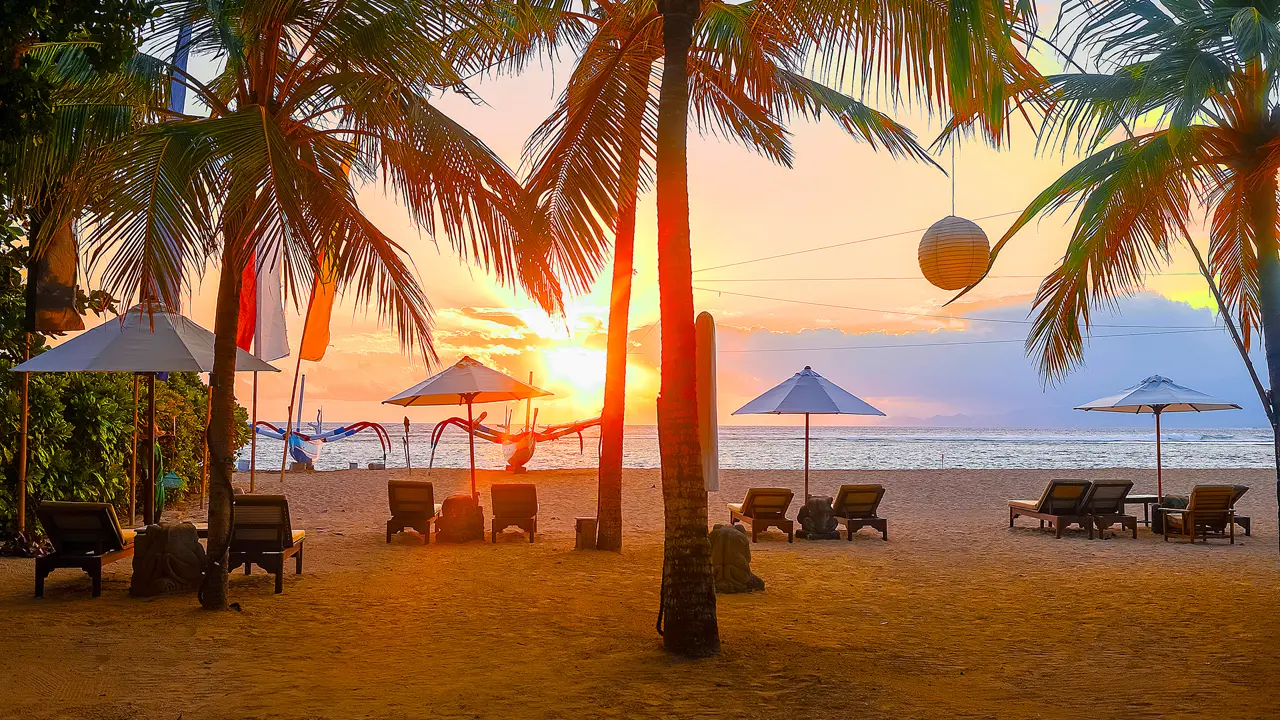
413	505
1208	511
85	535
261	535
1104	505
514	504
855	507
764	508
1059	505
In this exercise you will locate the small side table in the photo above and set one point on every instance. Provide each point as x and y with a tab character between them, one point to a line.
1146	501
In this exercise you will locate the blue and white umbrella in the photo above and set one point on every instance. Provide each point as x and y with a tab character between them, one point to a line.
807	393
1158	395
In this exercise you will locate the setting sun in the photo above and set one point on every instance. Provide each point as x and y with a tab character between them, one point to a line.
582	369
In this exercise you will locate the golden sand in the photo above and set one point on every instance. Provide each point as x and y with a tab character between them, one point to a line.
955	616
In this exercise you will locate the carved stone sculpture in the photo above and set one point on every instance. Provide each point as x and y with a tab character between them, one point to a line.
731	560
461	520
818	520
167	559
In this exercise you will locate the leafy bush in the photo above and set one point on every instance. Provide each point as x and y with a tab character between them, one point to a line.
81	424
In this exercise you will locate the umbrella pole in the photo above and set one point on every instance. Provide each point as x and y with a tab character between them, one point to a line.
149	499
471	441
204	464
253	437
806	457
133	463
25	391
1159	469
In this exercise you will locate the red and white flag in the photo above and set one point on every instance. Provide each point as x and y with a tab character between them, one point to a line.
262	308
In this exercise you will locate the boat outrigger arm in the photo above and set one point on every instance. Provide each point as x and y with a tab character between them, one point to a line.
517	446
305	448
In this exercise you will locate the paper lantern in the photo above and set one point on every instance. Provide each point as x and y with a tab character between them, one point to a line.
954	253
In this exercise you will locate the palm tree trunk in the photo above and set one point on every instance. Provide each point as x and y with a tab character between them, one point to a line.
613	417
221	429
1262	207
688	597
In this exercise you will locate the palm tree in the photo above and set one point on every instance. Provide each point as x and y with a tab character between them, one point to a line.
961	54
592	156
1192	87
312	97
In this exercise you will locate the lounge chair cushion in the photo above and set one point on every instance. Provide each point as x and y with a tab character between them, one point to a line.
128	536
1026	504
736	507
298	535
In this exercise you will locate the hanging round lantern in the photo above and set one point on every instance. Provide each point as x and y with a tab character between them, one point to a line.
954	253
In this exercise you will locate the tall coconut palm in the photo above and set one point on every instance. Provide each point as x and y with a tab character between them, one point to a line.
306	90
959	55
593	155
1192	87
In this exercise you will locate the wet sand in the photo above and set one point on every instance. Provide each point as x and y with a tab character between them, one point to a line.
955	616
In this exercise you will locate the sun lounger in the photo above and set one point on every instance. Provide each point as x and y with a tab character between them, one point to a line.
855	507
1059	505
261	535
1104	504
85	535
1208	512
514	504
764	508
413	505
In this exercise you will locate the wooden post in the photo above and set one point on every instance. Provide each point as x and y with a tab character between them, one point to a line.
253	437
25	392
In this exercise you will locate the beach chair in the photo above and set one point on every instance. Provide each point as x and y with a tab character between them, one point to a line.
1208	512
514	504
85	535
261	535
762	509
1059	505
413	505
855	507
1104	504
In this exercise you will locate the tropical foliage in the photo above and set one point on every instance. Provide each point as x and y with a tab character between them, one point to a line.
311	99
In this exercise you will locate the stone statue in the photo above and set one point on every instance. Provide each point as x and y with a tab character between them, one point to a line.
818	520
731	560
461	520
167	559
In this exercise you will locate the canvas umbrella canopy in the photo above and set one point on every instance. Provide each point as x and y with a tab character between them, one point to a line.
807	393
468	382
148	339
1158	395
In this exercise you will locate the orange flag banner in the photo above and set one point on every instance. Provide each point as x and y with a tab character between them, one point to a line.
315	334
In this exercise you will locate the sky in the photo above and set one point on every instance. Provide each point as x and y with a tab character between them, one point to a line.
860	314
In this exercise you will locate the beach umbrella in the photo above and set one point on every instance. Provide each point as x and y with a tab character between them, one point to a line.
467	382
807	393
148	339
1158	395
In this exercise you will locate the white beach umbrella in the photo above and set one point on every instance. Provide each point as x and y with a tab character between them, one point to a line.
807	393
467	382
148	339
1158	395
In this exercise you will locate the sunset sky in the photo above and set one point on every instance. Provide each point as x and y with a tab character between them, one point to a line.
743	208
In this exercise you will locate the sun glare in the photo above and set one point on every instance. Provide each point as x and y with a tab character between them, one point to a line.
580	368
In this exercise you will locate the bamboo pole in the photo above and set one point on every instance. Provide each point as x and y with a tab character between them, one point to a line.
151	514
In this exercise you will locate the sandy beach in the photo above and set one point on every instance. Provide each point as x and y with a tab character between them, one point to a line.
955	616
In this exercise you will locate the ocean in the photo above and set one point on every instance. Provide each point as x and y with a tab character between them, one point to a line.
834	448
